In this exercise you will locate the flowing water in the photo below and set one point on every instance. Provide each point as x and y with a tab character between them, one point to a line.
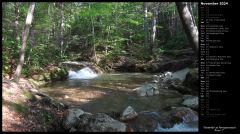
109	92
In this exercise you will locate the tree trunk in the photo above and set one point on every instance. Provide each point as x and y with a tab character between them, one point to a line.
24	41
93	36
62	28
16	24
145	26
31	42
188	24
154	21
53	21
173	23
17	40
192	15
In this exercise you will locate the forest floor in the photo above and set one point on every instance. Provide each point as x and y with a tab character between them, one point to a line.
21	113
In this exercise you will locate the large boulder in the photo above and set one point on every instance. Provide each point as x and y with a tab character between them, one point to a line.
190	101
177	85
72	117
180	88
179	115
191	80
54	74
128	113
57	74
99	122
145	122
147	90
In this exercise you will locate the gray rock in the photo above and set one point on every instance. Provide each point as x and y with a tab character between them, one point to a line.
175	85
100	122
72	117
191	80
162	77
147	90
145	122
190	101
150	92
180	74
156	92
73	130
179	115
128	113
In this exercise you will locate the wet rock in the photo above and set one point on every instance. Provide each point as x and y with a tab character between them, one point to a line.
162	77
72	117
146	90
46	101
58	74
145	122
179	115
99	122
190	101
176	84
58	105
163	80
156	92
180	74
73	130
114	114
180	88
128	113
191	80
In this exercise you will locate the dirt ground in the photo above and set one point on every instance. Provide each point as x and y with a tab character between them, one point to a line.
22	113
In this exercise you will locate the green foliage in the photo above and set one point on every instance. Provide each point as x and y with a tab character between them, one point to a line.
20	108
27	94
178	42
158	52
49	118
26	71
118	30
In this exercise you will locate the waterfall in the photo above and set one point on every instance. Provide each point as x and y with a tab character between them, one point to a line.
84	73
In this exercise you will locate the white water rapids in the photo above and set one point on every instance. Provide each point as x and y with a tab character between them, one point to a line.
84	73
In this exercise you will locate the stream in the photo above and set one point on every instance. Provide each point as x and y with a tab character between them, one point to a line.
112	93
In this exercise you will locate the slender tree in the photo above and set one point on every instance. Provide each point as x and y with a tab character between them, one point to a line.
17	39
154	22
191	11
145	26
188	24
62	28
24	41
93	35
16	24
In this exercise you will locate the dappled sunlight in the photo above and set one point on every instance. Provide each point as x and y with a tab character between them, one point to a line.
111	92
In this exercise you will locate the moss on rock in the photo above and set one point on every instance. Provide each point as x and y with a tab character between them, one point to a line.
58	74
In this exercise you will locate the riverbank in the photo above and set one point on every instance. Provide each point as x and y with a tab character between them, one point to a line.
24	111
